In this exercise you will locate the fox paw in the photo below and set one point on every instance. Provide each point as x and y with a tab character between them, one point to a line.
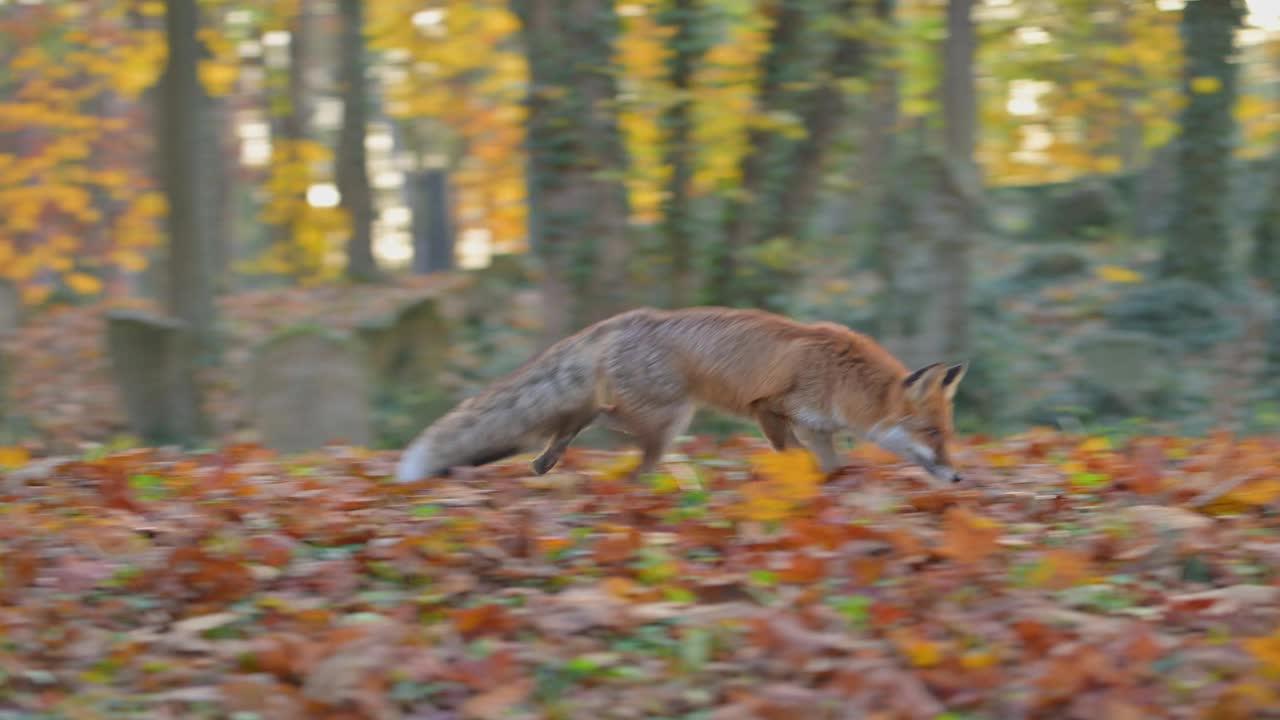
542	464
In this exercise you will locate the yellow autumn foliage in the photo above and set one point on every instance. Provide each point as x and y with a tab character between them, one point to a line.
13	457
52	189
83	283
788	480
1117	274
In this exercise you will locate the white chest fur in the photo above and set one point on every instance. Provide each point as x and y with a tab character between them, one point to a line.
817	420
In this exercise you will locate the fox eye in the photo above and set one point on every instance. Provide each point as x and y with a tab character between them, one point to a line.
933	433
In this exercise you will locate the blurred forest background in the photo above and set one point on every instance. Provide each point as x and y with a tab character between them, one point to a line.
304	220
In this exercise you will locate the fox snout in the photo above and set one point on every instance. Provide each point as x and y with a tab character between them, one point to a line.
900	441
946	474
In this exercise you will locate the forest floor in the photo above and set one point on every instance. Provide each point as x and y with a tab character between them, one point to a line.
1067	579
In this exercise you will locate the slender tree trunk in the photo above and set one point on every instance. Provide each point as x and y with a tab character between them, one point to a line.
291	127
824	114
687	50
959	92
1265	258
742	209
295	120
960	123
190	292
218	218
1199	238
876	160
576	157
432	222
609	210
352	170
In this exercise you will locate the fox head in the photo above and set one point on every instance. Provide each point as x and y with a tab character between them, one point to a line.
923	429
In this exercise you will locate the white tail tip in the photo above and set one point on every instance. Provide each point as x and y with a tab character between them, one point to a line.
414	462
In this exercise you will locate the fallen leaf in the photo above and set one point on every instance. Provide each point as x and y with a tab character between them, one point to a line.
493	704
968	537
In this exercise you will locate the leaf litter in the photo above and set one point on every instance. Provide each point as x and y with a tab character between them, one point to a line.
152	583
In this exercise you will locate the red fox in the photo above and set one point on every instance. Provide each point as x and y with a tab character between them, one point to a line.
646	371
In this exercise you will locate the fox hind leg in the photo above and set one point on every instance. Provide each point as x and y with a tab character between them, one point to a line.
656	431
565	435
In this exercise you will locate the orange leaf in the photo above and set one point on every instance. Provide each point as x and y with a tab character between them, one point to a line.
618	587
969	537
804	569
1145	469
883	614
616	547
1061	568
868	569
552	544
481	619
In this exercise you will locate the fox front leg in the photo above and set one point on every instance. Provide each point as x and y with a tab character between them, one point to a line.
776	428
822	444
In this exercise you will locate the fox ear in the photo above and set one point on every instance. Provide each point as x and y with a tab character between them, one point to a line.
919	383
951	381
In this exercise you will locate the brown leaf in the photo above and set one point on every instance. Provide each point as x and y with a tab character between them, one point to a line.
1163	517
265	699
803	568
617	546
489	618
213	579
577	610
491	705
1146	469
968	537
1037	636
285	656
273	550
492	671
1061	568
1225	600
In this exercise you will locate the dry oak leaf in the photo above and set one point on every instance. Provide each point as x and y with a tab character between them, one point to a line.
491	705
969	537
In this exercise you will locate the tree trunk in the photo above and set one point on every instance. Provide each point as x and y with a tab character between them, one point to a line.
189	289
1265	258
295	120
927	222
576	158
743	207
432	222
1199	238
959	93
688	47
823	116
291	128
877	155
219	217
352	171
960	123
